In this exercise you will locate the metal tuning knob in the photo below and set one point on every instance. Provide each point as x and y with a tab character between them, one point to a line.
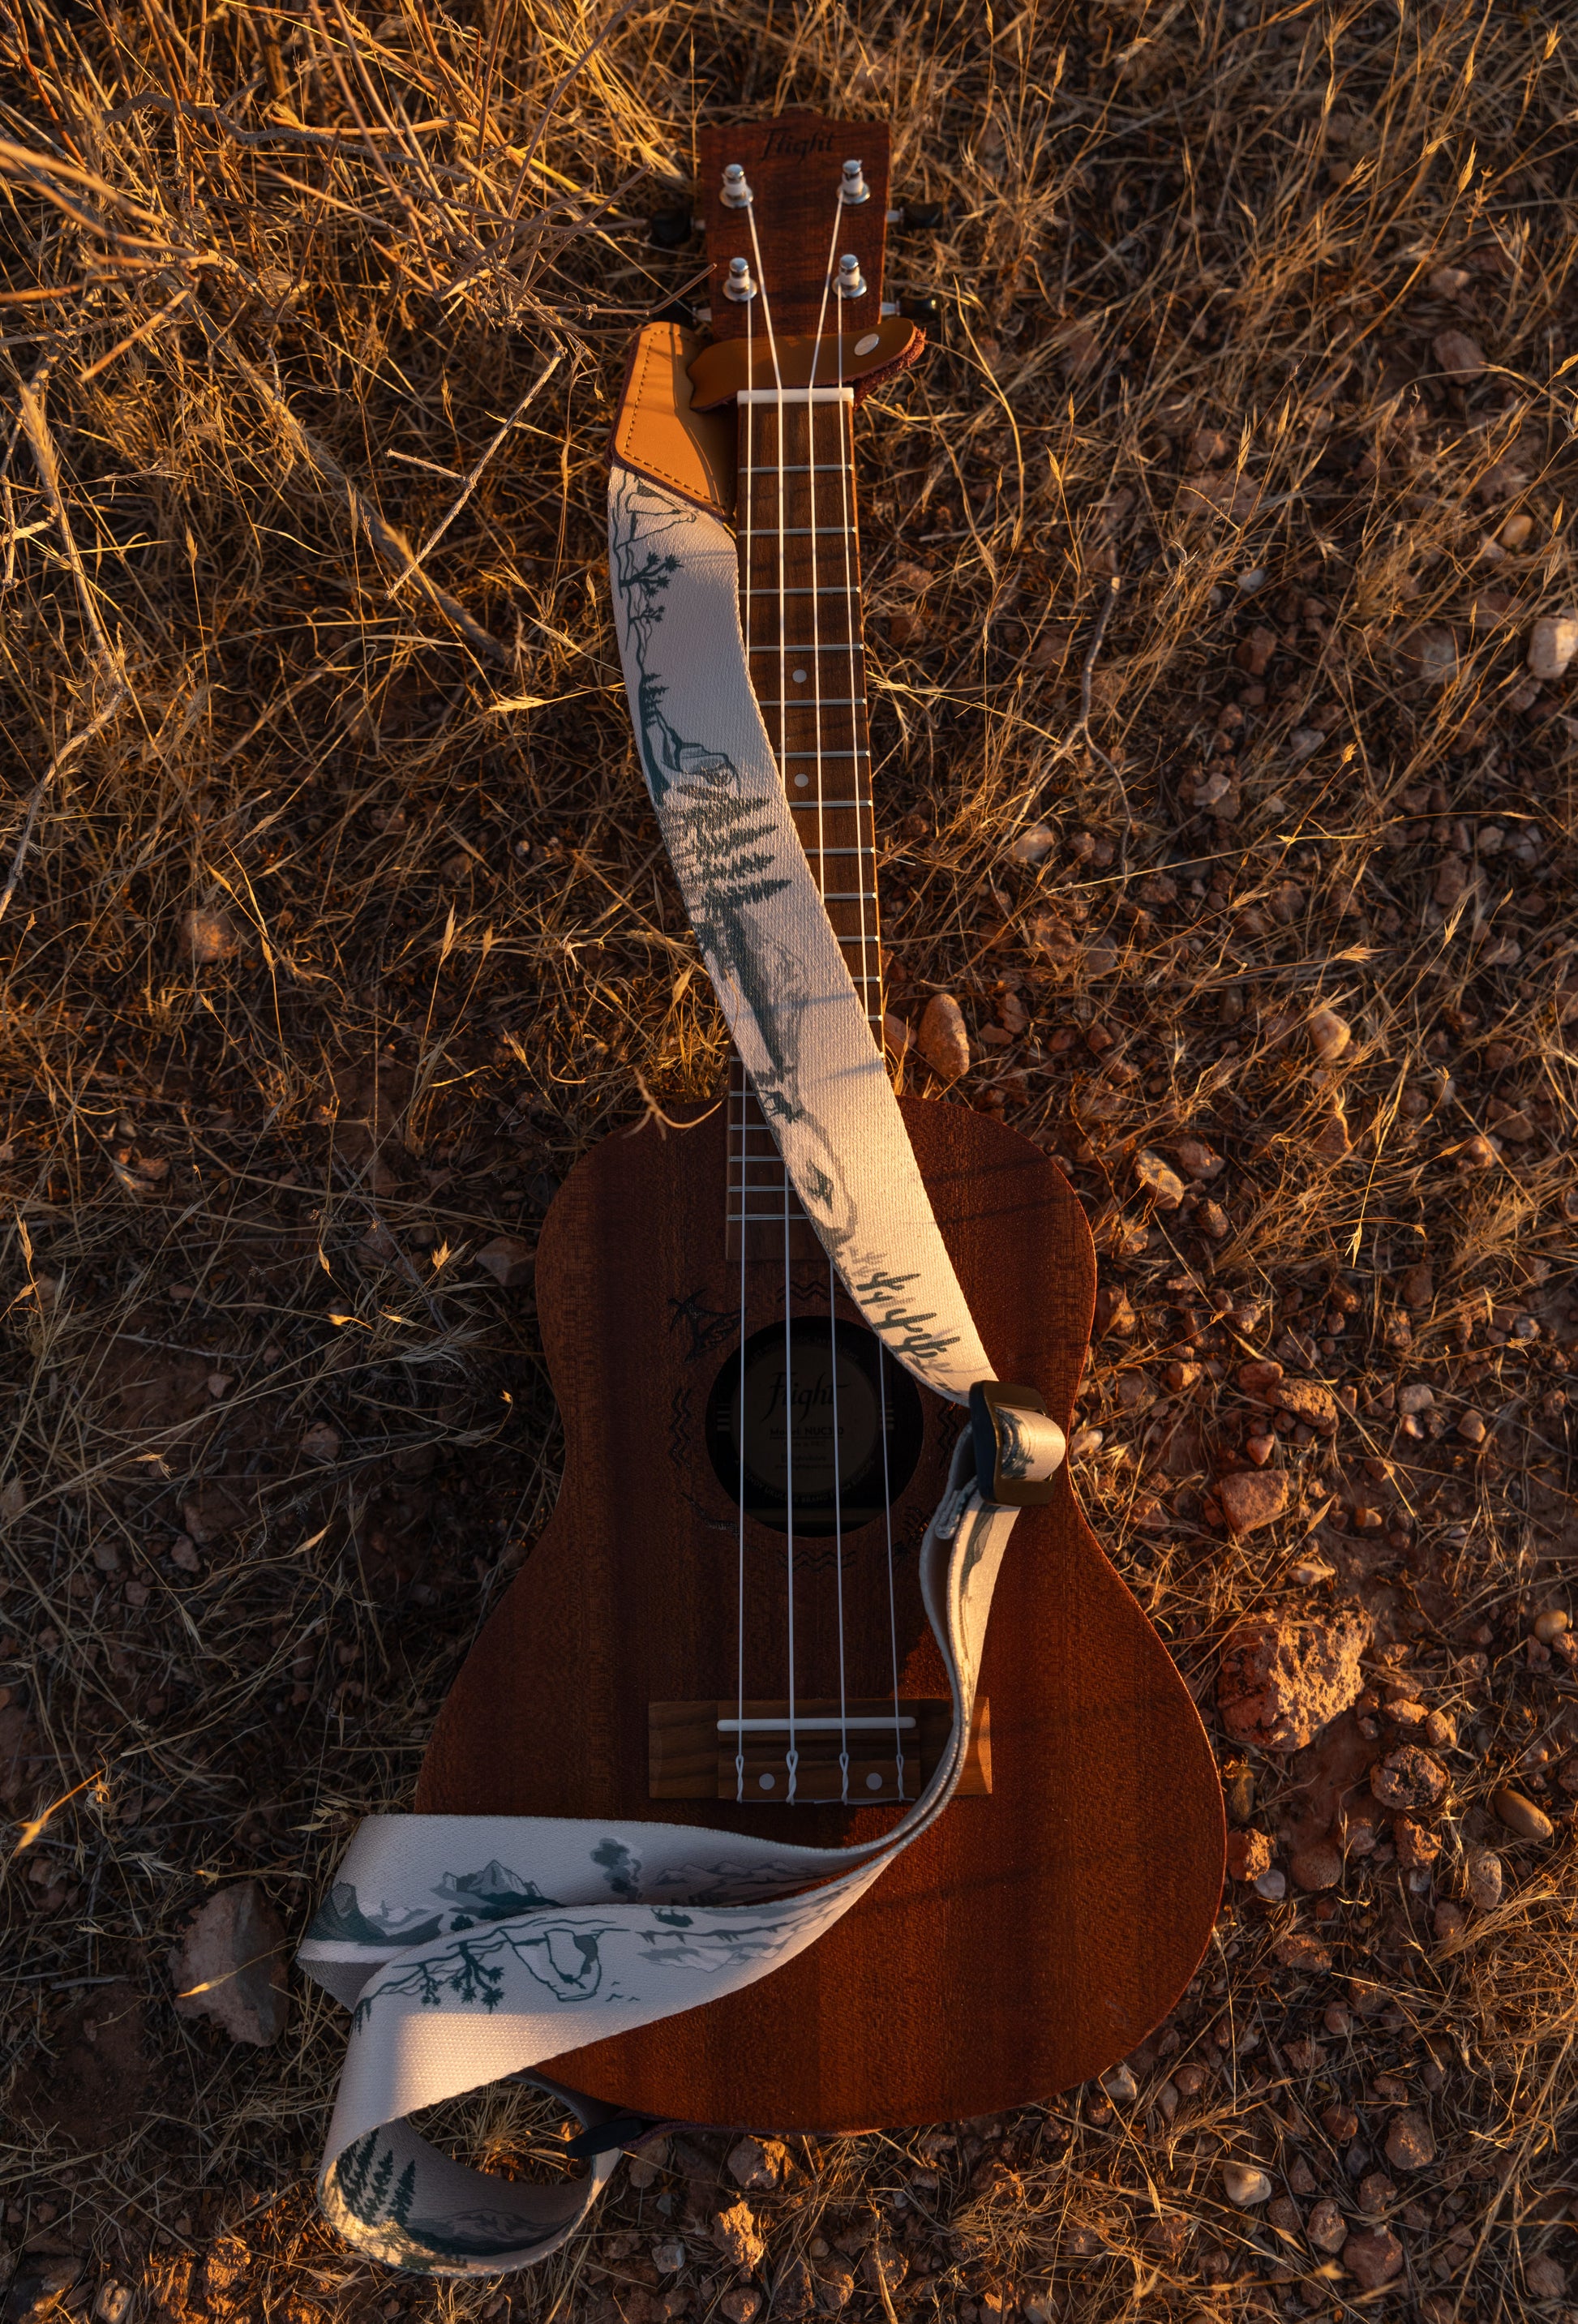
854	187
850	282
737	194
741	286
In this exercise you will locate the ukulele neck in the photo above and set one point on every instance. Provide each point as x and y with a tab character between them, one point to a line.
800	600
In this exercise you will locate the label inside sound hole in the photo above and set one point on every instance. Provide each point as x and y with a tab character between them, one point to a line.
832	1432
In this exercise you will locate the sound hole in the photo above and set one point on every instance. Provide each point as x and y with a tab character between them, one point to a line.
790	1407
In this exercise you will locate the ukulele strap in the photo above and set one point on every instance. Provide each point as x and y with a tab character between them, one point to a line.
473	1949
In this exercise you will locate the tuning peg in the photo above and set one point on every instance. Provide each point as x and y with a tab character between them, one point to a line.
737	194
850	282
670	229
741	285
853	187
922	218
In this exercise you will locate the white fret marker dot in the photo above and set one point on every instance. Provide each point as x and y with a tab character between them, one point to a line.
873	1783
765	1782
799	675
864	348
802	781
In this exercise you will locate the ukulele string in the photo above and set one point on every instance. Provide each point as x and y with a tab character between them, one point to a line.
738	1075
792	1756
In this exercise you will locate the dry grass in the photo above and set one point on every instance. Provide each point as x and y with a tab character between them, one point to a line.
334	929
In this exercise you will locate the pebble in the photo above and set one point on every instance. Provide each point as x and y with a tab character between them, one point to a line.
1318	1867
510	1261
113	2302
1408	1777
1256	1377
1272	1885
1548	1626
1033	843
209	936
884	2267
944	1037
1521	1815
1330	1033
1446	281
1120	2084
1309	1570
669	2257
1415	1397
1447	1920
1248	1854
1251	1499
1376	2192
733	2231
1552	643
741	2304
1327	2227
1482	1871
1461	357
1163	1181
321	1442
1301	1952
1545	2277
1196	1159
1372	2256
1282	1680
1307	1401
1410	2143
1470	1427
1440	1731
1245	2185
1433	651
758	2162
1416	1845
229	1966
1190	2081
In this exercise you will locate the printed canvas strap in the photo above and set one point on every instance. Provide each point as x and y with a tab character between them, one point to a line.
470	1949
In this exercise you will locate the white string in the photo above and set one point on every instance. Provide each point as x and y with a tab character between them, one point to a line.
737	1073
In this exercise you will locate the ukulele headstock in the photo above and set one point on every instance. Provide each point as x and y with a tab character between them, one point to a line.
799	216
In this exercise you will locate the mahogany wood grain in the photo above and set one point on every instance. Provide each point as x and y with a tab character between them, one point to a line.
1027	1940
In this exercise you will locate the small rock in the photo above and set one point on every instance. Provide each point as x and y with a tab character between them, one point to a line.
1307	1401
1245	2185
1433	653
1248	1854
1190	2081
1377	2193
741	2304
1309	1570
1549	1626
321	1442
1306	740
1120	2084
1440	1730
1483	1873
1552	643
834	2285
1327	2227
1470	1427
1318	1867
1408	1777
1545	2277
1281	1680
1031	844
1521	1815
228	1965
1330	1033
897	1035
209	936
1272	1885
944	1042
884	2267
1372	2256
1416	1845
1446	281
37	2286
1461	357
1196	1159
1301	1952
1257	1376
1163	1182
510	1261
380	1245
1452	881
1415	1397
733	2231
1251	1499
668	2256
758	2162
1448	1920
112	2301
1410	2143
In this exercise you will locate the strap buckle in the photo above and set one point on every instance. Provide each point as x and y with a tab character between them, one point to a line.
1018	1446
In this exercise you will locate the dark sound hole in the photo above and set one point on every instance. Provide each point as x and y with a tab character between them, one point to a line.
801	1380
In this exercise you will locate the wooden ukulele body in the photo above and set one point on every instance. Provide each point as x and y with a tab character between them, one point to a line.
1031	1938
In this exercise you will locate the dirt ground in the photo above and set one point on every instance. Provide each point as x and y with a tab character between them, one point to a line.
1217	563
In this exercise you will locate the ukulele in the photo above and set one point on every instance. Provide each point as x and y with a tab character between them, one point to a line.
721	1625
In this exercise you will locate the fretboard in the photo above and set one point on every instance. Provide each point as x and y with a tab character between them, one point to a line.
800	600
